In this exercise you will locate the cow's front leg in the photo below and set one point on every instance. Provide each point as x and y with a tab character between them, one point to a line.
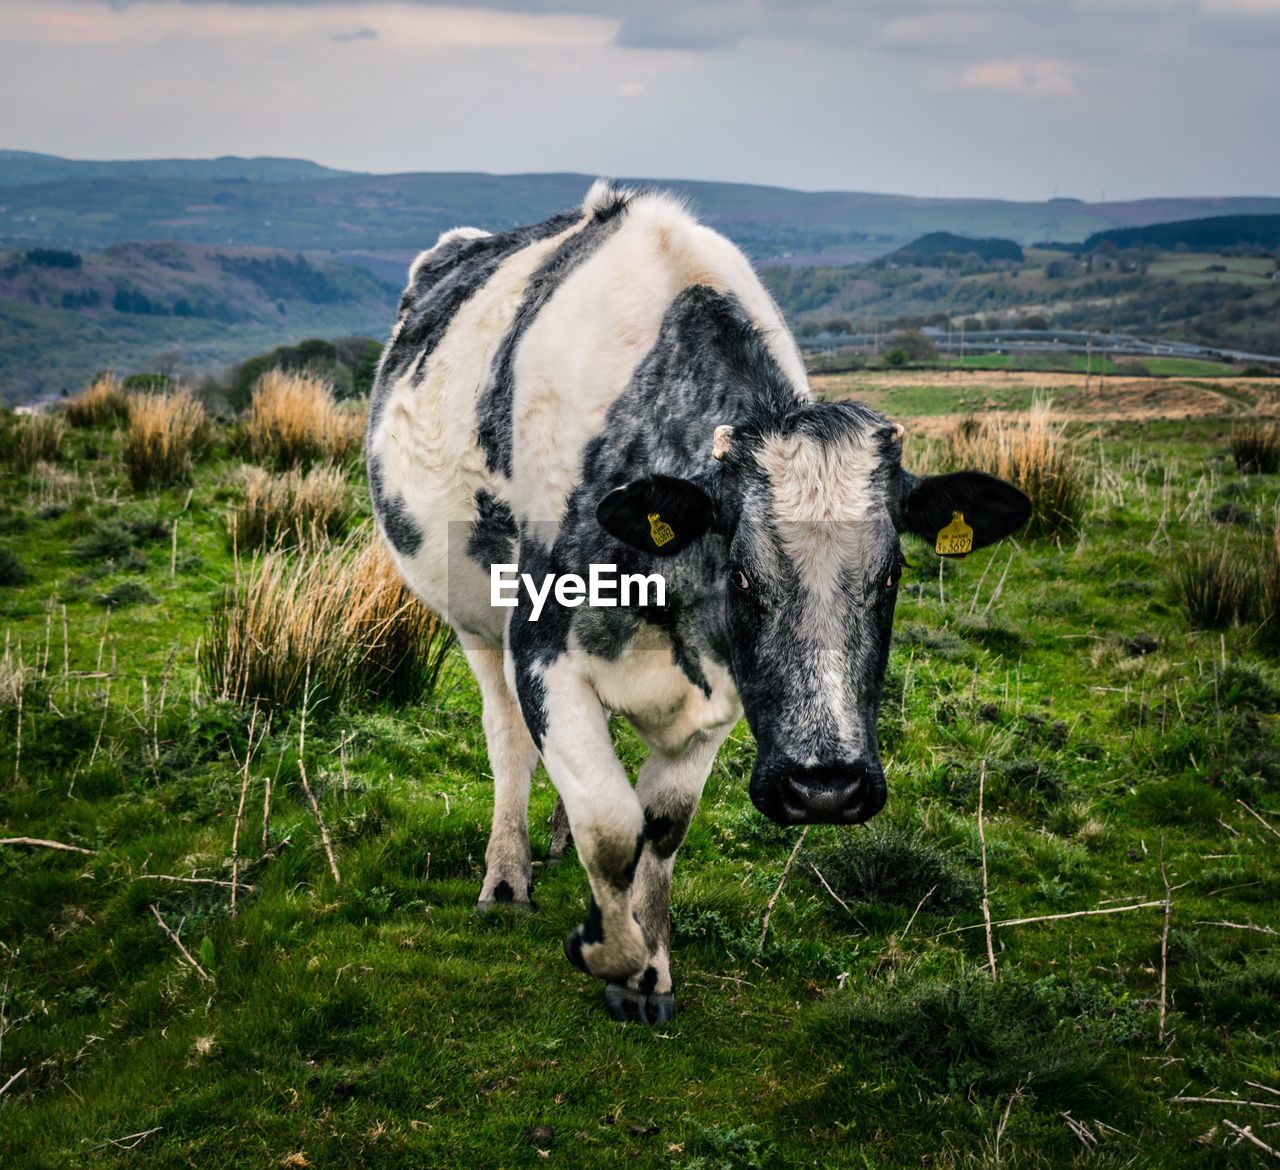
669	787
604	814
512	759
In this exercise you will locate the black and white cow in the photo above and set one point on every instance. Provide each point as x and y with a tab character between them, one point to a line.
615	386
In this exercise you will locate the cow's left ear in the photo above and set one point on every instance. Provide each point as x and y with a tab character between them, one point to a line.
962	511
661	514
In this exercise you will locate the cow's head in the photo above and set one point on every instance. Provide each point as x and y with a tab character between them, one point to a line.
809	509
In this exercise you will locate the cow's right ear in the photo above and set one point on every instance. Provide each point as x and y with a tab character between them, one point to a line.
661	514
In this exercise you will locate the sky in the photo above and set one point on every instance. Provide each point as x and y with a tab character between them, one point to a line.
1019	99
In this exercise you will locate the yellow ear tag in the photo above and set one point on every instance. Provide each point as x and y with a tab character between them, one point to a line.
955	539
661	532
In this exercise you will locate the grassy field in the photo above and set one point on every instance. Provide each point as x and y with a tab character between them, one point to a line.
376	1020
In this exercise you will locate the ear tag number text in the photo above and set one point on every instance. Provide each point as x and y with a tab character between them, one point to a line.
659	530
955	539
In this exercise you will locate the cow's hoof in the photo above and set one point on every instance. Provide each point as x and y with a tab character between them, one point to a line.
634	1007
485	905
573	951
504	897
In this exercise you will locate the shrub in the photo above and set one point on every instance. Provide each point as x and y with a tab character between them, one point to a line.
26	440
1256	448
1032	452
294	422
291	508
104	401
1216	586
167	433
126	593
12	571
890	865
340	614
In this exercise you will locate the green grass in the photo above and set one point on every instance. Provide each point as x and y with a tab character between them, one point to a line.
380	1022
1185	368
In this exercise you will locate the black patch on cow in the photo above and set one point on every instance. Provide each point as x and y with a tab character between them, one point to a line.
494	424
503	892
493	531
593	928
392	513
648	981
445	280
657	827
573	950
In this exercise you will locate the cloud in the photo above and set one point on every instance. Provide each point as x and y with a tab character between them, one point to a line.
1046	77
365	33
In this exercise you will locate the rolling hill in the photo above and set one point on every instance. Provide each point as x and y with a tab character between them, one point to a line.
292	204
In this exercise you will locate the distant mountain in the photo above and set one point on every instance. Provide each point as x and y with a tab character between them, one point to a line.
133	307
1211	234
20	168
941	244
257	202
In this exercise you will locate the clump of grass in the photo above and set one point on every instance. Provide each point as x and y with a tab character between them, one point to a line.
1216	586
891	865
15	676
292	508
340	614
1255	448
104	401
126	593
294	421
968	1034
167	433
26	440
1032	452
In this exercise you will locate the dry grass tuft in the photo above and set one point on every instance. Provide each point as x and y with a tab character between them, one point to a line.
1031	451
103	402
294	421
1256	448
1236	583
338	613
28	439
291	509
167	433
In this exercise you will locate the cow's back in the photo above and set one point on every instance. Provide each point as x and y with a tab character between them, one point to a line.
507	354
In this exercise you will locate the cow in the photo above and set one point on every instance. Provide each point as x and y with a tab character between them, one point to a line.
614	386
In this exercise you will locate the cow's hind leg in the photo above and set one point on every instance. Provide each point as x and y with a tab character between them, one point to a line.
512	759
669	787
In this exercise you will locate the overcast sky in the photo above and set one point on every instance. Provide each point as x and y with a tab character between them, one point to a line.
1011	98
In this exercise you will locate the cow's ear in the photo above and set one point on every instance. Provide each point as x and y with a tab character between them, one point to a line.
661	515
963	511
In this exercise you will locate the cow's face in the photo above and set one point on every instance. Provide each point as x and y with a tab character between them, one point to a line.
810	509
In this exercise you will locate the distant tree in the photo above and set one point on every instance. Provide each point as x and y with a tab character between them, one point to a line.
914	346
1034	321
52	258
896	357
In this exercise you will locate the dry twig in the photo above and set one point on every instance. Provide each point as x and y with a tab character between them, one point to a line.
986	901
186	954
1055	917
1164	947
41	843
786	869
1257	816
5	1087
1247	1132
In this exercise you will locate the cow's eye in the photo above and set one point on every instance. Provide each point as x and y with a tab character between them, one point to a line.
739	579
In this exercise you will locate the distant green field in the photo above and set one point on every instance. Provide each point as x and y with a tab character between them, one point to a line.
1048	362
1185	367
379	1022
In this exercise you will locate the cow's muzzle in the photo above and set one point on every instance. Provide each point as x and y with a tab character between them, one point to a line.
845	793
